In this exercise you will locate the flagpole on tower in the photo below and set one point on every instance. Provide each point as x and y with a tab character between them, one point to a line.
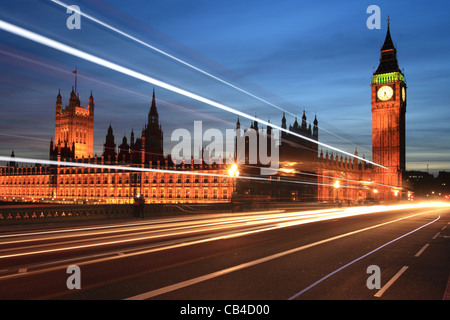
76	76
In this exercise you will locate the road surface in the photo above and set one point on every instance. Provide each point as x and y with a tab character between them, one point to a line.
370	253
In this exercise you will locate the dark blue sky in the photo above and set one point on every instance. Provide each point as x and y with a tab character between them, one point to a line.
316	56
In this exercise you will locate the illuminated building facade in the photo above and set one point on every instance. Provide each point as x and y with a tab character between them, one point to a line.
345	180
388	118
174	183
354	181
74	129
300	156
69	184
296	177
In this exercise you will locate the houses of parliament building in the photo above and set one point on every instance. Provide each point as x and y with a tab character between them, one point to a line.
305	172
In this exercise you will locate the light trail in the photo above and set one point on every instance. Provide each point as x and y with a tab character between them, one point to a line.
193	281
113	66
247	224
364	183
139	169
165	225
23	137
131	168
214	227
127	35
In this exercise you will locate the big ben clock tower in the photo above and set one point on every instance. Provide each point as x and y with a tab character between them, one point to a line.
388	121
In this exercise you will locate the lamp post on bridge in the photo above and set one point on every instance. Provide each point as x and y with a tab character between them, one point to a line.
337	185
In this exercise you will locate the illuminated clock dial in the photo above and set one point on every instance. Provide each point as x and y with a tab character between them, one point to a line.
403	94
385	93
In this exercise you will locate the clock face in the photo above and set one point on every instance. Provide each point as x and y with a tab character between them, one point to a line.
385	93
403	94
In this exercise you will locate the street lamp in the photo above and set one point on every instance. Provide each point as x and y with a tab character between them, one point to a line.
375	191
337	185
233	172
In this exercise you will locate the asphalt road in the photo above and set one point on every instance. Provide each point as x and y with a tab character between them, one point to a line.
363	253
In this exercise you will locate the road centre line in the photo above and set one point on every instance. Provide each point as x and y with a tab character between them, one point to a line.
421	250
390	282
176	286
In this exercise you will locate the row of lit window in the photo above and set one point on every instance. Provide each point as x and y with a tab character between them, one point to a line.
26	192
127	181
155	193
85	193
106	180
15	181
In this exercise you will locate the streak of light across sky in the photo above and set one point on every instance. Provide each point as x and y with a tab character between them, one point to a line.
139	169
147	45
108	26
113	66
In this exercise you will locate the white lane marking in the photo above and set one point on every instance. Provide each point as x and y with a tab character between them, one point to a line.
436	235
176	286
22	270
421	250
390	282
357	259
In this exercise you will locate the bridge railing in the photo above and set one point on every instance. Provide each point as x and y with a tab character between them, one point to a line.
33	214
23	214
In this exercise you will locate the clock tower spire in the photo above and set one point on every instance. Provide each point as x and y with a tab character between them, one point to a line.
388	59
388	103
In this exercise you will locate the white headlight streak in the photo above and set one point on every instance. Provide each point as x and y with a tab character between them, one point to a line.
137	75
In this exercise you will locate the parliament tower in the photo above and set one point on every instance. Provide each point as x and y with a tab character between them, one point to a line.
74	129
388	103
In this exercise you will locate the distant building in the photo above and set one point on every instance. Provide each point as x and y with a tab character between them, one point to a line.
420	182
442	185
